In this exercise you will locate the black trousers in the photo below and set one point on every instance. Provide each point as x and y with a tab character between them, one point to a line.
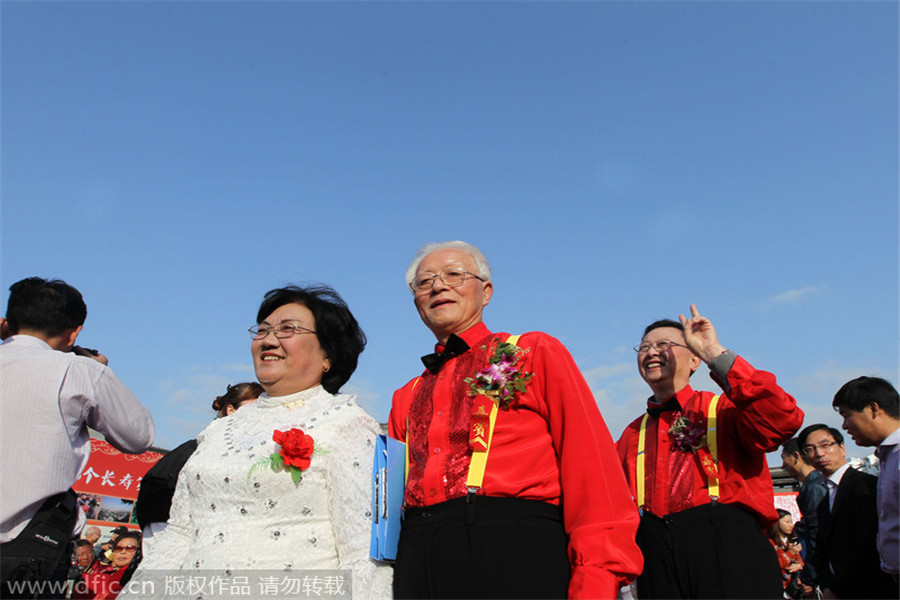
486	548
709	551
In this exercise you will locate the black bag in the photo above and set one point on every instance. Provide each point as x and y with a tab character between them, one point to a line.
37	551
158	485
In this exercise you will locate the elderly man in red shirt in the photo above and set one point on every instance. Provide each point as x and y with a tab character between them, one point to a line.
513	489
696	464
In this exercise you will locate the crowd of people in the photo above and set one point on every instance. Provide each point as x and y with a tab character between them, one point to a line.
514	487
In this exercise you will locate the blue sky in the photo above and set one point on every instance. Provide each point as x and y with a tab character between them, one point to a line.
615	161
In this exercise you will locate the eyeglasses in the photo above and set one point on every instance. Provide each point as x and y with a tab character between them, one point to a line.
823	446
282	330
125	548
451	278
662	346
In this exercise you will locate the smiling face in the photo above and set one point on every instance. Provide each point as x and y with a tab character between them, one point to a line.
668	371
861	425
292	364
84	556
827	460
446	310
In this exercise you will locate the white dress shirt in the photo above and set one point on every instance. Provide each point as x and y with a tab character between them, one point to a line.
833	481
49	399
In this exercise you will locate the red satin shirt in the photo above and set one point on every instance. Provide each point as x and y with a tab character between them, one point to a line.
551	444
753	419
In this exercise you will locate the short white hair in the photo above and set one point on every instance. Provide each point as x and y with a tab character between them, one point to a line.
482	266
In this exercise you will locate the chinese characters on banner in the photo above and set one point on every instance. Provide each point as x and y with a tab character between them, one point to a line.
110	482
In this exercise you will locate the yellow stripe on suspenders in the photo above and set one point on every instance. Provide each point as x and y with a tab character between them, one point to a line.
712	442
479	459
641	456
478	462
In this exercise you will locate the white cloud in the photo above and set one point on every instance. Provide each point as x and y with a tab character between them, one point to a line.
595	374
246	369
371	401
795	296
193	393
179	430
822	384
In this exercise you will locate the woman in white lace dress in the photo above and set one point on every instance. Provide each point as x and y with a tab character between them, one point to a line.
280	513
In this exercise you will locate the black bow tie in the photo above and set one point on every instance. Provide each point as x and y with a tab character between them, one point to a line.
454	347
656	410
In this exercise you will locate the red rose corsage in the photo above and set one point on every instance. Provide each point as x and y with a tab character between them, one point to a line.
295	455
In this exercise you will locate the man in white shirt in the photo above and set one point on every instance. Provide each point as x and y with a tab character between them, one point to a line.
50	396
870	407
846	558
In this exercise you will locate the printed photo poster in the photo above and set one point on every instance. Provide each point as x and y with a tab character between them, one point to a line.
788	501
109	485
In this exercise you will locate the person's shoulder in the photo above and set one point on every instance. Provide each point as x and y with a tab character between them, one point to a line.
815	478
26	346
213	428
87	364
410	385
540	340
853	476
859	485
635	425
534	336
347	405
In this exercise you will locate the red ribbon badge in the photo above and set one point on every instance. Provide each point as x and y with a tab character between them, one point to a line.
707	462
481	420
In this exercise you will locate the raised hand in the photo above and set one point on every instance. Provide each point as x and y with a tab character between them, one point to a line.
700	335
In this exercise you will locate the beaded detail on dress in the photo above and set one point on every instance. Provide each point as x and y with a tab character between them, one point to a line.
224	518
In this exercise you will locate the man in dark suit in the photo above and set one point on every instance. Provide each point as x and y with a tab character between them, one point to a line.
846	557
812	492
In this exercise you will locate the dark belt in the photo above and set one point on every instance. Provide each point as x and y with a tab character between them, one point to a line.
702	512
480	508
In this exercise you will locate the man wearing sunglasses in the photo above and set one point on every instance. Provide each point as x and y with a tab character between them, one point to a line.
696	465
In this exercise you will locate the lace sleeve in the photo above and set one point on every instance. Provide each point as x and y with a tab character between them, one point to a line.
171	546
349	499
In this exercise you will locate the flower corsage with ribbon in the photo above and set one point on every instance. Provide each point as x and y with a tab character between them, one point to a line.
501	381
493	388
686	435
690	436
294	456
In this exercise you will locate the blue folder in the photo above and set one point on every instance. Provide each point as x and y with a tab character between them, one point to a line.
388	485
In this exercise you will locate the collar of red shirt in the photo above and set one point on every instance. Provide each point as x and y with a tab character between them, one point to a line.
681	397
471	336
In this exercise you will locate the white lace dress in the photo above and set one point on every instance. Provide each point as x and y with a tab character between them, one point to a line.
224	519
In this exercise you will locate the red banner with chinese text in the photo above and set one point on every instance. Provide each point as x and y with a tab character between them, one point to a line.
112	473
